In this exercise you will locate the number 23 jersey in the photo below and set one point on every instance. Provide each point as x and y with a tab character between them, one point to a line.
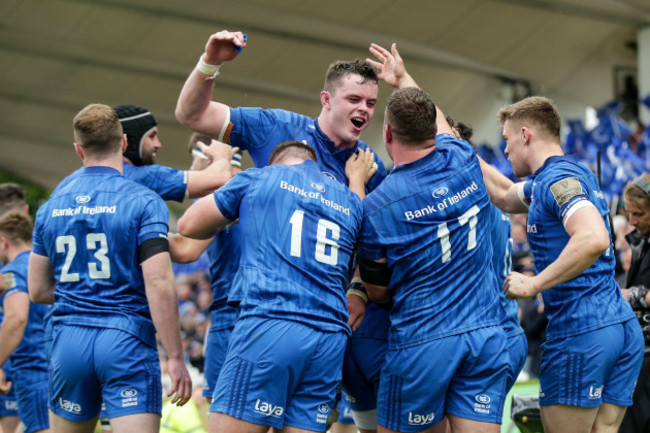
91	230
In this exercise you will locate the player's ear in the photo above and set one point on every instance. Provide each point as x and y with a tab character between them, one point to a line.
79	150
325	99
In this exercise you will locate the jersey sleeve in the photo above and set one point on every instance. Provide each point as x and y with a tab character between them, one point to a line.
564	194
369	245
252	127
38	246
229	196
167	182
14	282
153	221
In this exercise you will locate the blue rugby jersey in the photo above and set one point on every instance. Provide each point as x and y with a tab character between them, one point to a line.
259	131
91	229
430	219
30	353
502	264
593	299
167	182
224	253
298	229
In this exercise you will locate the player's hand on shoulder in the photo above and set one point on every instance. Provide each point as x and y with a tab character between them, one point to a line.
223	46
181	389
361	166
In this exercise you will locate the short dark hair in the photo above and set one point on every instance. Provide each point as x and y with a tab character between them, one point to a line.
12	197
340	69
411	115
17	226
538	110
97	130
294	148
195	138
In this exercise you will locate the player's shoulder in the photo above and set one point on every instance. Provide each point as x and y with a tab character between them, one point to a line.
276	115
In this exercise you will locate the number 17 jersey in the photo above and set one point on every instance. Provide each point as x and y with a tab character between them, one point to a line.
430	220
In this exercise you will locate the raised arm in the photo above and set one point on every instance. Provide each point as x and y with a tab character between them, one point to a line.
163	304
203	182
195	108
393	72
504	193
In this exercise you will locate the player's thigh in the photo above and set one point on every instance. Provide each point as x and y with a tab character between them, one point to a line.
609	418
223	423
62	425
561	418
464	425
129	374
74	389
478	389
137	423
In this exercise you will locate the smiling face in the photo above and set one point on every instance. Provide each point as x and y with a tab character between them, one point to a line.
348	110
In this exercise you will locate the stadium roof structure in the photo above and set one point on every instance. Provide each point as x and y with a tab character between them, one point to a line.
470	55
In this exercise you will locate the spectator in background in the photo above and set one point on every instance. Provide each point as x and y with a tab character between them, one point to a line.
637	291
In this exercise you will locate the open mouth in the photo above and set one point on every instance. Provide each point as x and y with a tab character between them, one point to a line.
358	122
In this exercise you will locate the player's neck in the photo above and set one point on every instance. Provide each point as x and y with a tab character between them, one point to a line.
15	250
402	154
111	161
543	152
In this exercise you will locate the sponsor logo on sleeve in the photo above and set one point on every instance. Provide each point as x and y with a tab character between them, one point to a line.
9	280
565	189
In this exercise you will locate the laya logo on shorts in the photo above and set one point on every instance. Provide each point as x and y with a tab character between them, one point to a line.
69	406
596	393
417	419
268	409
129	393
